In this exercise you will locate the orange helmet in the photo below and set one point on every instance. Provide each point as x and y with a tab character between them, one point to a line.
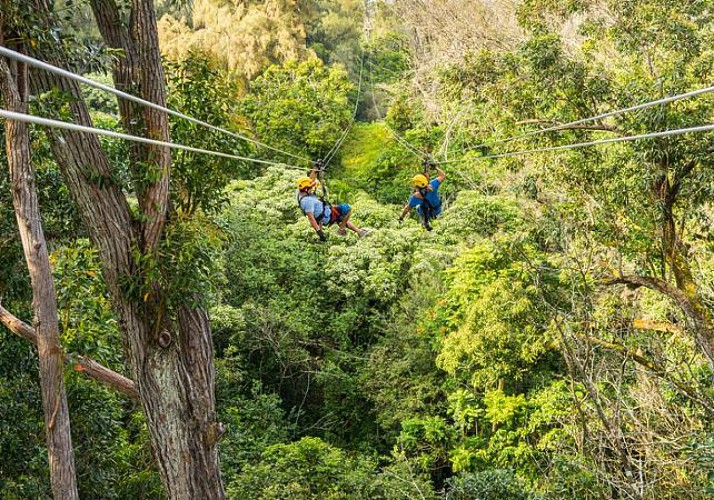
420	181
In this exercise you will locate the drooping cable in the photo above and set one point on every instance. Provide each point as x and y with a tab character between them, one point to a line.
582	121
22	117
403	142
651	135
87	81
331	154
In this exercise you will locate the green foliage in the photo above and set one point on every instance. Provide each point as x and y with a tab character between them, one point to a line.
244	38
301	107
500	328
334	28
306	469
400	379
14	280
112	452
495	484
428	439
388	57
252	423
400	481
480	360
86	326
24	472
372	160
100	100
474	216
60	219
204	93
185	260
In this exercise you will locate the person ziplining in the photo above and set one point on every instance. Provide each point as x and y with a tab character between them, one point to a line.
425	196
319	211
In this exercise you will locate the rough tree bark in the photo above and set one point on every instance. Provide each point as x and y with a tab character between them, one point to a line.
63	479
169	354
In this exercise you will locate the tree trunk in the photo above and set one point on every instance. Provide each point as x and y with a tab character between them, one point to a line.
139	71
676	256
176	396
44	302
169	358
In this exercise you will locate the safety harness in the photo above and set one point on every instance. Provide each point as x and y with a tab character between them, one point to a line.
427	209
319	218
335	215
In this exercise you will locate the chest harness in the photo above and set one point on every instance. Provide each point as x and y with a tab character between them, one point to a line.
325	205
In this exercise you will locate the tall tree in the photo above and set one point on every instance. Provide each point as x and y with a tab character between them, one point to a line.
13	87
166	337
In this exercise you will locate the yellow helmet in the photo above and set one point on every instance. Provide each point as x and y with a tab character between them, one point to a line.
305	183
420	181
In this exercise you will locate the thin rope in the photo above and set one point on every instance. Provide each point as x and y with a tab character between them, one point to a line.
87	81
341	140
564	126
22	117
651	135
367	22
405	144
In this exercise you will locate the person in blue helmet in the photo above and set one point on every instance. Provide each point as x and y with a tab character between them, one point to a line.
321	213
425	198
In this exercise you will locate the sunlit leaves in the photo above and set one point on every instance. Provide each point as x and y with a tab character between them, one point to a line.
301	107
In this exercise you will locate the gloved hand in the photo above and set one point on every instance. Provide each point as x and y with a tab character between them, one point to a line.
401	219
321	234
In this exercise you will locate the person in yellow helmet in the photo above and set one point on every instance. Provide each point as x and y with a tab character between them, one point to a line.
425	197
320	213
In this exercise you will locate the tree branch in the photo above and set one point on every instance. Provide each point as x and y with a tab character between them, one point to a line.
90	367
660	286
696	313
655	368
657	326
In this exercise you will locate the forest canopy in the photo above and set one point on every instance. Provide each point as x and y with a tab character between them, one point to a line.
551	337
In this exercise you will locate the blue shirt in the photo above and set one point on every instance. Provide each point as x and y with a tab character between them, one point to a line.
432	197
311	204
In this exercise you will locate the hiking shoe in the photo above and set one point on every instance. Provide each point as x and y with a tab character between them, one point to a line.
363	232
341	231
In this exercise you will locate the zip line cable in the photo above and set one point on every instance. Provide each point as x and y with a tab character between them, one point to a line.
22	117
369	5
341	140
651	135
87	81
404	143
369	8
408	146
333	151
564	126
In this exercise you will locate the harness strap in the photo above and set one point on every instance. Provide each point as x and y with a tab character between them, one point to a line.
319	217
423	192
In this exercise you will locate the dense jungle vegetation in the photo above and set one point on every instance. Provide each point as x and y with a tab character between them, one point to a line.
552	337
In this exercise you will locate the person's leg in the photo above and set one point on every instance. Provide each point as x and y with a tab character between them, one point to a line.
345	214
345	222
360	232
424	214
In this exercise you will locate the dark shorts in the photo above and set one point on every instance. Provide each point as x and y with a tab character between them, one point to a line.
435	211
339	212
